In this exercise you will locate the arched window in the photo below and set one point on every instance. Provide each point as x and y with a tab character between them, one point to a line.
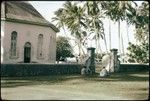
27	52
39	47
13	44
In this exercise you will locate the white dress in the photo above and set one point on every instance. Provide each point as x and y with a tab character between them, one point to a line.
103	73
83	71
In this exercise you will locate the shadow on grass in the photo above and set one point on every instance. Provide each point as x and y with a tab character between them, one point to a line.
57	79
124	76
35	80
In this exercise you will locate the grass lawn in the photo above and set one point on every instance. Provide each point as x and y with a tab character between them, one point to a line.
118	86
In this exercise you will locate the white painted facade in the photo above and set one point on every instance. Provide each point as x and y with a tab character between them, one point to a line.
27	33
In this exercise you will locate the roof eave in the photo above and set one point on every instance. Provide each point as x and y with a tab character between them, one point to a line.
31	22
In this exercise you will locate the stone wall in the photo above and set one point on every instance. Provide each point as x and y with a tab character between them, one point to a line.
57	69
39	69
133	67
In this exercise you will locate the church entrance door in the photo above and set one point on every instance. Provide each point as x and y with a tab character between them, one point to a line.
27	52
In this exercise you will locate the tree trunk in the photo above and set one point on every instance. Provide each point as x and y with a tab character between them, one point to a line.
122	46
127	32
80	54
109	34
96	50
105	43
100	48
119	37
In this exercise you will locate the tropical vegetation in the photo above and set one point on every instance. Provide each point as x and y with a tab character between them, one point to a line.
86	21
63	49
140	52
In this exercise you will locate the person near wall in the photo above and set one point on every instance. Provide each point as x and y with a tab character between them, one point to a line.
103	72
88	63
83	71
86	69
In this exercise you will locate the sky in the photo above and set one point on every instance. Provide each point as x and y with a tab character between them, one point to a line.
47	9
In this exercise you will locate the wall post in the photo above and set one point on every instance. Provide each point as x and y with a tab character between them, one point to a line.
91	52
115	61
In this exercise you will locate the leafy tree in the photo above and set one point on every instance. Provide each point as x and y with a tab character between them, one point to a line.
140	18
138	53
142	23
63	49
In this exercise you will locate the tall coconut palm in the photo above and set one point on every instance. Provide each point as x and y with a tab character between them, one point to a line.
60	19
109	34
94	21
74	20
111	10
124	7
127	26
130	14
117	11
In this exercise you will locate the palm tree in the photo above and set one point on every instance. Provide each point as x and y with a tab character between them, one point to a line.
72	17
74	20
118	11
94	22
60	22
109	34
59	19
124	7
129	14
127	26
111	9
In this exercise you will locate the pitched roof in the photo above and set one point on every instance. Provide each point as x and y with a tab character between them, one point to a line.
22	11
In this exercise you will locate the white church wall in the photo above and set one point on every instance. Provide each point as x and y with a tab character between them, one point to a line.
29	33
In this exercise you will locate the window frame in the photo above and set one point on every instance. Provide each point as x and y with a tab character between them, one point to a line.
13	45
40	54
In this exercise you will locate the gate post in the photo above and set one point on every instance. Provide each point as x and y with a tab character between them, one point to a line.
115	61
91	52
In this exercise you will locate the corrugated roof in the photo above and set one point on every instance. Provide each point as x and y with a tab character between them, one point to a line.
23	11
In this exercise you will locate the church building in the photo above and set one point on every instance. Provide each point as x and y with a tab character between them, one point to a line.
26	37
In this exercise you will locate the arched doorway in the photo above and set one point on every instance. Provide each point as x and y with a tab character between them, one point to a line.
27	52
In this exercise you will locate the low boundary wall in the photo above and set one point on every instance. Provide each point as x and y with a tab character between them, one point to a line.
56	69
133	67
39	69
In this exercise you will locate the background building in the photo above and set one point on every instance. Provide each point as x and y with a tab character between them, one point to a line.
26	37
